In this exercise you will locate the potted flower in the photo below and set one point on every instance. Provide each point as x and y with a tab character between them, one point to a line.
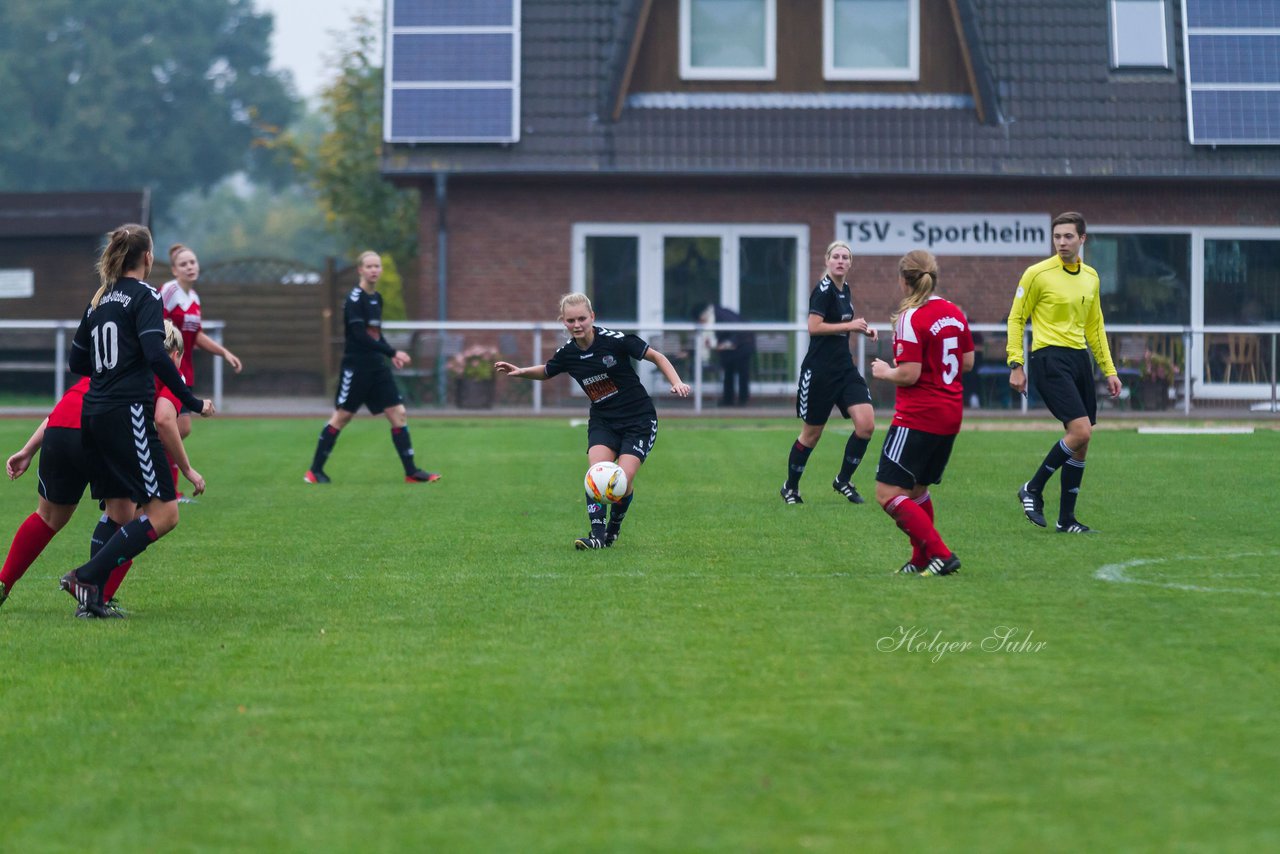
472	373
1157	375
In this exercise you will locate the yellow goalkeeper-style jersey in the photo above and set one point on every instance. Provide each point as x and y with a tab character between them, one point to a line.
1065	309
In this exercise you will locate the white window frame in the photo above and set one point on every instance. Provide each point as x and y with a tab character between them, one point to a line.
1116	62
831	71
649	276
688	71
1199	234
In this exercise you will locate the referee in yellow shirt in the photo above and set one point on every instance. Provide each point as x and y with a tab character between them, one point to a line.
1061	297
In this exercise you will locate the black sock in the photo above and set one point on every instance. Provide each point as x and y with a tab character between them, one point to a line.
1053	461
324	447
105	531
404	447
595	512
796	463
127	543
617	514
854	449
1072	475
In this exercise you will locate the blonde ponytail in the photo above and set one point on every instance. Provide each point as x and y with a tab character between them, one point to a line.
919	269
125	249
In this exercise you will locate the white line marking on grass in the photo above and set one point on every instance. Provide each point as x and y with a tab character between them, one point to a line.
1116	573
1187	431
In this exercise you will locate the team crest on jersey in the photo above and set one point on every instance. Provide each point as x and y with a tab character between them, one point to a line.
897	351
609	361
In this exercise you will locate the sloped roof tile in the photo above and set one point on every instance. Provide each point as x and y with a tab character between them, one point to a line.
1063	112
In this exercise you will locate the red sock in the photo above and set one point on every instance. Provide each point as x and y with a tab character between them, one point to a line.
926	504
919	557
31	538
115	579
915	523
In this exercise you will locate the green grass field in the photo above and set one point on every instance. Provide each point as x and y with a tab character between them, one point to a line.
374	666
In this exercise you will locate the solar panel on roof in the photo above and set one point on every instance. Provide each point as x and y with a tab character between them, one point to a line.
1233	71
453	71
1232	13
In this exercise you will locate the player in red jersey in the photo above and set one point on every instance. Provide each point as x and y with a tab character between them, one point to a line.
932	347
182	307
64	473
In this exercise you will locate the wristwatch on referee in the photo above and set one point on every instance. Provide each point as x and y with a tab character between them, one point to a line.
1013	365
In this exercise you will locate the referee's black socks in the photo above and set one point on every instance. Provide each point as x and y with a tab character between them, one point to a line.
1053	461
1072	476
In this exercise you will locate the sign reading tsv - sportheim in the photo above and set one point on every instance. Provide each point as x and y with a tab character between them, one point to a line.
945	234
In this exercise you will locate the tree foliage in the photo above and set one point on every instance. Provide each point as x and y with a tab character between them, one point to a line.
109	94
365	210
237	219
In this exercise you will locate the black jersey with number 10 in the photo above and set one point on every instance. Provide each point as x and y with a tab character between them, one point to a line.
111	334
605	372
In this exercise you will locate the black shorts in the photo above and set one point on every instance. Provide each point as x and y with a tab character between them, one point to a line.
913	457
126	459
1063	378
63	472
818	391
373	387
635	436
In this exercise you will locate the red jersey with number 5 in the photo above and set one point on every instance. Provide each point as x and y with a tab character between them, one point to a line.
937	336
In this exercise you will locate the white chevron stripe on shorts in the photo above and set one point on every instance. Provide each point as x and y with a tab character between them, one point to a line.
146	466
344	385
805	379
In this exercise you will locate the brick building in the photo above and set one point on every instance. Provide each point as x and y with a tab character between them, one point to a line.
659	155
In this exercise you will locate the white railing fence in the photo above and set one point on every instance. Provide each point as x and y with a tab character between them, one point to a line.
1244	357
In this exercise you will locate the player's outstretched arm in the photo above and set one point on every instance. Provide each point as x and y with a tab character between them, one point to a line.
533	372
678	386
21	461
171	439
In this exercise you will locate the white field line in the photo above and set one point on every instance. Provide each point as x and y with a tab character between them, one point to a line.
1117	573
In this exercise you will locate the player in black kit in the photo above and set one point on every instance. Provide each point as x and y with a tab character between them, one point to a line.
623	425
120	346
366	380
829	378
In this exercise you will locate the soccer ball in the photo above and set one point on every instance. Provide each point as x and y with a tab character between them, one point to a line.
606	482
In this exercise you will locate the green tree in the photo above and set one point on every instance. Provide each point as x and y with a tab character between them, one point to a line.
391	286
167	94
237	219
363	208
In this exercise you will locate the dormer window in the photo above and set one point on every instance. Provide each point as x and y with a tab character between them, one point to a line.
1139	34
728	39
871	39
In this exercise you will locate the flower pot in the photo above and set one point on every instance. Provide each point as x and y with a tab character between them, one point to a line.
1153	396
474	394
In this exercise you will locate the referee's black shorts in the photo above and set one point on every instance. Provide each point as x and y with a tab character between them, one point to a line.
64	469
126	459
1063	376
